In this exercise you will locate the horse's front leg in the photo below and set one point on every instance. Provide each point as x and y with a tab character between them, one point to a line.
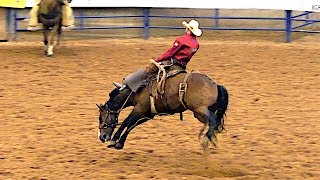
52	38
132	116
45	39
136	117
133	124
59	34
117	135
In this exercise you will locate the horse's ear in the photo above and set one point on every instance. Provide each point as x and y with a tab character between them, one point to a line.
99	107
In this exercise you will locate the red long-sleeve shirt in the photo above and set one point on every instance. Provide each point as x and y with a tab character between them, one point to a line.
183	49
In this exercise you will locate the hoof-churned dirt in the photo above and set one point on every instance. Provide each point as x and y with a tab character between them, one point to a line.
49	120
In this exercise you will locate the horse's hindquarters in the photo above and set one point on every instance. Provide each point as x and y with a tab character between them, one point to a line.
50	13
49	23
201	91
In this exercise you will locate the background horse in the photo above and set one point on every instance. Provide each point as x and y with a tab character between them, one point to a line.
50	15
207	100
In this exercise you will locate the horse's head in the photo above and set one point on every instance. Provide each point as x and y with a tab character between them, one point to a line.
108	120
109	112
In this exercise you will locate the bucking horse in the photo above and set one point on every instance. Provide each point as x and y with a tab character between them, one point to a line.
181	91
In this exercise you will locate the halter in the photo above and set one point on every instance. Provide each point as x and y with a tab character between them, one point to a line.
104	124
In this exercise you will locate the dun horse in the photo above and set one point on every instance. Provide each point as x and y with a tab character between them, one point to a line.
207	100
50	15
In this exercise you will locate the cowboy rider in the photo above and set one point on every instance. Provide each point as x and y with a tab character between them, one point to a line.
184	47
67	15
175	58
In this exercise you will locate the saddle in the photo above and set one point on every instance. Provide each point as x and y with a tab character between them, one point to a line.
154	72
157	73
165	69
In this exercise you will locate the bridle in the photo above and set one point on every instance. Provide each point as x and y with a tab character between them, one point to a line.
104	124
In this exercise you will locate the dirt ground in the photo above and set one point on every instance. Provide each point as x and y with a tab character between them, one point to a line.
49	120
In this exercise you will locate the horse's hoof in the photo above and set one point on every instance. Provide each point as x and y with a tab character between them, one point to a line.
111	144
214	140
50	51
205	142
118	146
205	147
199	136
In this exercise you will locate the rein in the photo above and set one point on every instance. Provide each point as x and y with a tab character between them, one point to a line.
118	112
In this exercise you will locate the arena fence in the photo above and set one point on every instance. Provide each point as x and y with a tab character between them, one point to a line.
287	21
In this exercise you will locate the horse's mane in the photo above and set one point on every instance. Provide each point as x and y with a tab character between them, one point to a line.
114	93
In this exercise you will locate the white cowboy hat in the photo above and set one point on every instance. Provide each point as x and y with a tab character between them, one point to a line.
193	25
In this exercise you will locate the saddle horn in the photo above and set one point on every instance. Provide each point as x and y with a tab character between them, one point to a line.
119	86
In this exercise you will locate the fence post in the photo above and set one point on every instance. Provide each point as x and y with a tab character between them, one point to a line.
288	25
8	25
307	15
216	18
15	25
146	22
81	19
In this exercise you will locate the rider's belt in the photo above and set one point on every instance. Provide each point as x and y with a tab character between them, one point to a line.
176	62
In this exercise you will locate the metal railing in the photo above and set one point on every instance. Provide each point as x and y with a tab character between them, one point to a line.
287	21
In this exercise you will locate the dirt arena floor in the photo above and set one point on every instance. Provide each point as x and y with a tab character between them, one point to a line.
49	118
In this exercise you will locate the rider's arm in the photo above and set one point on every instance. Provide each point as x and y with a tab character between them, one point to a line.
170	52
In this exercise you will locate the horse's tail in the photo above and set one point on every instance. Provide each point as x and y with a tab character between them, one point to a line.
221	107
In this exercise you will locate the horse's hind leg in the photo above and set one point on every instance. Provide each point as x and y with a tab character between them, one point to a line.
202	130
205	115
